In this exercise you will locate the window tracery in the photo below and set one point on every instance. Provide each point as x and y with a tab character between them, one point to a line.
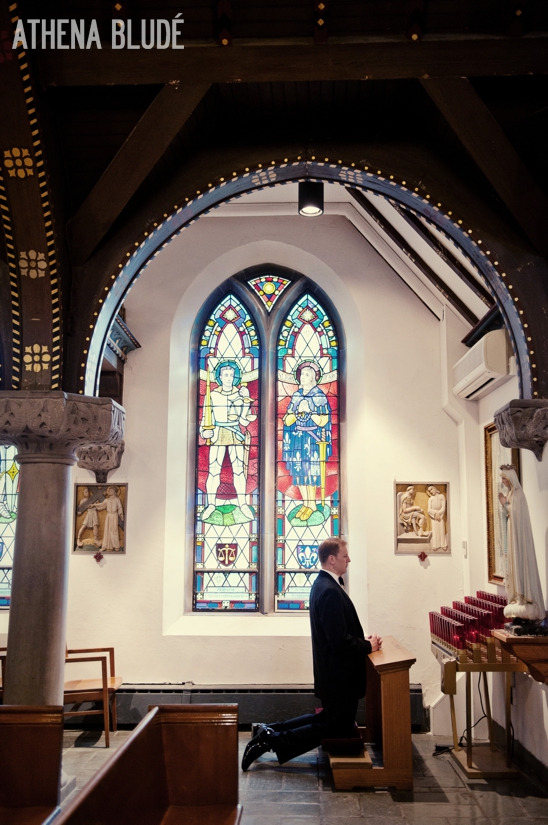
249	350
227	485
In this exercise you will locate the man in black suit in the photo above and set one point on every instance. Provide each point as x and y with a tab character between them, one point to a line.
339	649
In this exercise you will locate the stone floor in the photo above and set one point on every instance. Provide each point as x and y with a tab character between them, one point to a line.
301	792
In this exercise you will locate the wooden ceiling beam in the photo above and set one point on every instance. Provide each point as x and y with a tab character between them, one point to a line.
292	60
31	291
450	260
144	147
484	140
392	233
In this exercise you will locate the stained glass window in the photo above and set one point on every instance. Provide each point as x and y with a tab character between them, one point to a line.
226	553
307	484
269	288
9	491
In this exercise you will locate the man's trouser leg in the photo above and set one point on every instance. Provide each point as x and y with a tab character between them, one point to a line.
304	733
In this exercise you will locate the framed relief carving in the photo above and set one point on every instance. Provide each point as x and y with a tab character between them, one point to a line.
422	518
100	518
495	455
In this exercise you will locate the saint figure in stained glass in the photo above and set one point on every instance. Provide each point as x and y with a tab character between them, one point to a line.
226	556
307	487
307	442
225	422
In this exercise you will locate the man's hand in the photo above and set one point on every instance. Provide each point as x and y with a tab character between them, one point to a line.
376	642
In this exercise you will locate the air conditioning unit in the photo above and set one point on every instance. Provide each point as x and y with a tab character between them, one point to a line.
484	366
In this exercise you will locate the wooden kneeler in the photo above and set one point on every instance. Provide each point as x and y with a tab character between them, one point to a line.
388	725
349	765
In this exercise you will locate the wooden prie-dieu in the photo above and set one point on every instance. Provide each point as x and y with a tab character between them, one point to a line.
388	725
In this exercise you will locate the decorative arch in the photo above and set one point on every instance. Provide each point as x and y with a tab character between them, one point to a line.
351	175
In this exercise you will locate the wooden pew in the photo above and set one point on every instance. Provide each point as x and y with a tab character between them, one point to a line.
31	746
388	724
180	765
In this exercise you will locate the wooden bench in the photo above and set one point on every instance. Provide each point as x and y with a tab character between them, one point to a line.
180	765
388	724
31	746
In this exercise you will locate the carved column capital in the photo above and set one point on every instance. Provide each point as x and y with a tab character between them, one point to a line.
100	459
49	426
524	423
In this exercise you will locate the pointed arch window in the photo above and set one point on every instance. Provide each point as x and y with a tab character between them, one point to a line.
227	484
307	467
267	488
9	494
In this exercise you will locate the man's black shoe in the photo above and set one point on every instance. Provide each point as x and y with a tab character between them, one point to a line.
256	746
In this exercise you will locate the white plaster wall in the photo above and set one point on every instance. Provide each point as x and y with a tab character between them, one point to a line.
398	429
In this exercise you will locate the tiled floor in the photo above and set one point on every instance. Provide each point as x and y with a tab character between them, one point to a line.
301	792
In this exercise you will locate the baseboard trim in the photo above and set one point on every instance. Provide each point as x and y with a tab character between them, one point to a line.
522	758
256	702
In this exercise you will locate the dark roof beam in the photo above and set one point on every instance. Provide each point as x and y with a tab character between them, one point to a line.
144	147
484	140
293	59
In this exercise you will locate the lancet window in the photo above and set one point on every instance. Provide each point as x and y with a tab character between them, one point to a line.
267	443
9	493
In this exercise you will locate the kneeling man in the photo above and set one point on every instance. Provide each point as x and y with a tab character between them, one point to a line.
339	648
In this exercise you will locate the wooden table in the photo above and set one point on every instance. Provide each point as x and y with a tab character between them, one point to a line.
532	650
388	724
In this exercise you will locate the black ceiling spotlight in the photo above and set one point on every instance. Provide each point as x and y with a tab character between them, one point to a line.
310	198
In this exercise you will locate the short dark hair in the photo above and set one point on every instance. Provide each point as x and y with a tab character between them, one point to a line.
330	547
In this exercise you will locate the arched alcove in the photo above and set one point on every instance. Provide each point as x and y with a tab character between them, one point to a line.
212	196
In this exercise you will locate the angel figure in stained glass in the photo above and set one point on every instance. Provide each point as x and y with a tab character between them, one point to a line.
226	416
307	441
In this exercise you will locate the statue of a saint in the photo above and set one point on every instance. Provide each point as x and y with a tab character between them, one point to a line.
436	511
411	516
307	438
224	425
523	587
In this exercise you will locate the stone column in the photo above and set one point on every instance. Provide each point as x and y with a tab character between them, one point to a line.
46	427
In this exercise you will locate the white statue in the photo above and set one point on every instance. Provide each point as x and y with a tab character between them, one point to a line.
411	516
436	510
523	588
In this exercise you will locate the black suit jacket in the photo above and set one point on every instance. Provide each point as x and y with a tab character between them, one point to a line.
338	644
